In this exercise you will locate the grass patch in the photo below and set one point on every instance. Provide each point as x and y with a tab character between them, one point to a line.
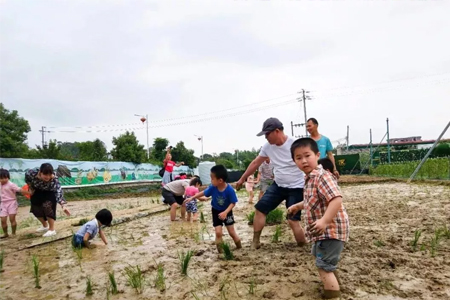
379	243
415	241
434	243
28	236
277	234
274	217
160	279
36	273
185	258
227	253
89	285
82	222
112	283
135	278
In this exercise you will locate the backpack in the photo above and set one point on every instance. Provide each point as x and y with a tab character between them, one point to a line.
161	172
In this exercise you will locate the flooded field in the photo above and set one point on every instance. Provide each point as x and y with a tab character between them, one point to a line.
377	263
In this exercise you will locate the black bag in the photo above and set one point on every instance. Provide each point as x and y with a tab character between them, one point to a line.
161	172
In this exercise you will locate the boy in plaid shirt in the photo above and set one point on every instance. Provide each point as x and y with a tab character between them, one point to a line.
327	225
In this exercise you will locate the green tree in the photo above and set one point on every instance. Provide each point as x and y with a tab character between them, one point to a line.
92	151
127	148
226	163
158	152
69	151
13	134
180	153
208	157
52	150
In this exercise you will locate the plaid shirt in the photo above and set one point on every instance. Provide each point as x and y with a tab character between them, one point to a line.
321	188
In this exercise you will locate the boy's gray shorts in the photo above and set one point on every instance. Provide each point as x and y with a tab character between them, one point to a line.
327	253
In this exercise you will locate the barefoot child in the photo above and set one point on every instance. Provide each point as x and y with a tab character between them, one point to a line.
89	230
249	187
326	218
8	204
223	200
191	190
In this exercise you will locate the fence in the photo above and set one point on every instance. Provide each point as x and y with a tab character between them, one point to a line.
83	173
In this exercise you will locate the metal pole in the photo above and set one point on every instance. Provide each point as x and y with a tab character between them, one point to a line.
348	130
371	158
388	143
304	110
428	153
202	147
292	128
148	147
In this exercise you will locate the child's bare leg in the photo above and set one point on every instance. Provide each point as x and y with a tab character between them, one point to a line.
219	240
234	236
4	227
251	196
330	284
12	219
188	217
195	217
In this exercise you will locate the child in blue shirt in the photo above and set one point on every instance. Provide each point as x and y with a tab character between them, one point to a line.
223	200
89	230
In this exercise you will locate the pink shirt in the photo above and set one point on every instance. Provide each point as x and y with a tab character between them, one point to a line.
191	191
8	191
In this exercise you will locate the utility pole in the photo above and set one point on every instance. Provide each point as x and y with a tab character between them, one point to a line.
371	151
145	119
304	98
43	131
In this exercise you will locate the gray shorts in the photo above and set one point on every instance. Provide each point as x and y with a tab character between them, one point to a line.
264	185
327	253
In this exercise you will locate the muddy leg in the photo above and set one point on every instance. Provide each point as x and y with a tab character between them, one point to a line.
299	234
330	284
188	217
12	219
183	211
173	212
258	224
4	227
195	217
234	236
219	239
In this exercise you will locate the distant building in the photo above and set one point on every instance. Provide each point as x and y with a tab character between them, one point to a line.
405	139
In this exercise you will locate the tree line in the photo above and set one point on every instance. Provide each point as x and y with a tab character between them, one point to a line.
14	130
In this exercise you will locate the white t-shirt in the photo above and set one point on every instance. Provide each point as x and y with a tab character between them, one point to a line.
286	172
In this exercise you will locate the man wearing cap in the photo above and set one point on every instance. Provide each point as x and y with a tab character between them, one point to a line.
288	184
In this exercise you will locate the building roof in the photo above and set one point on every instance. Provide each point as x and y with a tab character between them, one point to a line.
399	143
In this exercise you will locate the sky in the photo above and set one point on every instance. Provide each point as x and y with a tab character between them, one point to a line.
218	69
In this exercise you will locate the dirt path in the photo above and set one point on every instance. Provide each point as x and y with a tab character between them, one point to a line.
377	263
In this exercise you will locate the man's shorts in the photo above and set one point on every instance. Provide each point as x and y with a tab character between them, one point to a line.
170	198
327	253
264	185
8	208
229	220
45	210
275	195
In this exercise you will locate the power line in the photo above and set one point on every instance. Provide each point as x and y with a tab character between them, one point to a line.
180	118
185	122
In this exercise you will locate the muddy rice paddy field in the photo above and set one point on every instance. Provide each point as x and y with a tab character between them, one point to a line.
378	262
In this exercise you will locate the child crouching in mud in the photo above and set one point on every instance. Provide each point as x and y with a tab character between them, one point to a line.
223	200
327	225
89	230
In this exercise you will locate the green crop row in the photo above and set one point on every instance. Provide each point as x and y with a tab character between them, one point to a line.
435	168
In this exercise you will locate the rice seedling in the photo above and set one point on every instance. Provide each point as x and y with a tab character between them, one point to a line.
250	217
252	286
135	278
160	279
196	236
36	274
422	247
185	258
272	218
2	257
112	283
379	243
202	217
195	295
82	222
277	234
227	253
79	252
224	286
415	241
445	231
435	242
89	285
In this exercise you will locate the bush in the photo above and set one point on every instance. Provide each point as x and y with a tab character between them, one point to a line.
433	168
274	217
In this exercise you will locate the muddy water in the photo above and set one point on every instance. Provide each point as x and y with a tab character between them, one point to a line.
377	263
